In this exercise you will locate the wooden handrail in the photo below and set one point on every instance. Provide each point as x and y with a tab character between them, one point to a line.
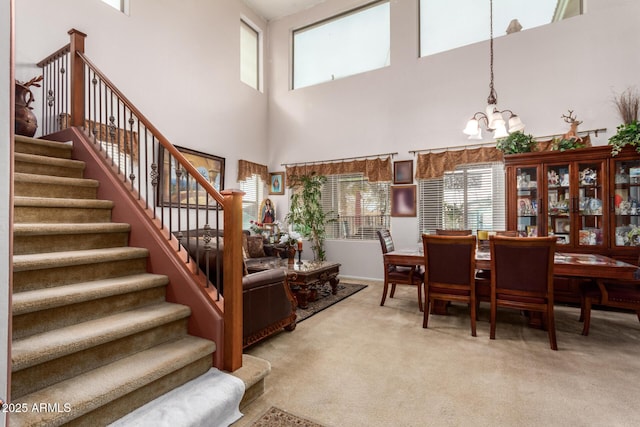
82	73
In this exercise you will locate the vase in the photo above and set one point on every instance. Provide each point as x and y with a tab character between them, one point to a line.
291	255
26	122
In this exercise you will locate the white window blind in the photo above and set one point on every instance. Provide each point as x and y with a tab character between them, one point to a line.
471	197
253	188
359	207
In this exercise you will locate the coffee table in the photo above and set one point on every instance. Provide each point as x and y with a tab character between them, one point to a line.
305	277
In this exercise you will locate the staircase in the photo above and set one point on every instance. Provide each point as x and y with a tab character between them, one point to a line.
93	336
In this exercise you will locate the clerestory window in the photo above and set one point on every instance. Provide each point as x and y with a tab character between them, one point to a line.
443	27
341	46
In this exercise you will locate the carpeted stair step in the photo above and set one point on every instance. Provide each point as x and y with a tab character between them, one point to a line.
43	310
41	147
46	270
45	359
56	210
38	237
31	185
43	165
107	393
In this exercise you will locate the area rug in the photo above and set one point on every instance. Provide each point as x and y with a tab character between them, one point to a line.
276	417
327	299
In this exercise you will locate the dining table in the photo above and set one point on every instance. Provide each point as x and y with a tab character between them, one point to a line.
565	263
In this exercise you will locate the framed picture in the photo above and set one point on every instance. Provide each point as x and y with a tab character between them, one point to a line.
532	231
563	225
267	213
562	239
403	172
173	190
276	183
403	200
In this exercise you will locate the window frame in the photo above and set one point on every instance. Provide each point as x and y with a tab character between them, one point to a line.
428	204
332	200
259	185
327	20
250	26
123	7
498	31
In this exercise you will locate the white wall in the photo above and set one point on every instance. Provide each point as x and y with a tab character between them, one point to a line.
178	62
6	86
419	103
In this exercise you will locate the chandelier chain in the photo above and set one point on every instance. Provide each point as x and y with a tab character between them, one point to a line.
493	96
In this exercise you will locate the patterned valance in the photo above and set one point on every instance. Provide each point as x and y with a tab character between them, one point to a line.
375	170
247	168
434	165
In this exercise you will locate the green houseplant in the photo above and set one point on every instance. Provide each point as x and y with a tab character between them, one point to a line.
628	133
517	142
306	214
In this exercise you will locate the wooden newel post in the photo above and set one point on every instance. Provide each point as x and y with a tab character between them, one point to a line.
232	267
76	78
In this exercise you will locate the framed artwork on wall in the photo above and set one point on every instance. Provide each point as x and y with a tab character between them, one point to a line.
403	172
174	191
276	183
403	200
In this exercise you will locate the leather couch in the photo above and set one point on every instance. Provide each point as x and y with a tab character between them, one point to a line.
268	304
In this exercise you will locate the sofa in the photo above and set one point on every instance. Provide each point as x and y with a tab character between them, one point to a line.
268	304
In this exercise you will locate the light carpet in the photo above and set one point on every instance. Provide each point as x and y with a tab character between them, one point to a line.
211	400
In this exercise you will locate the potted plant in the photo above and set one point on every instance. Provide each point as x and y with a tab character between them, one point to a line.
562	144
517	142
628	133
306	215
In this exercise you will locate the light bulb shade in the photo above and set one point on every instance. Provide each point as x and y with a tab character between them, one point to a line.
477	135
501	130
515	124
472	128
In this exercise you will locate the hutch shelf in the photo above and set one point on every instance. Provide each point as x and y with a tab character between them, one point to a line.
587	198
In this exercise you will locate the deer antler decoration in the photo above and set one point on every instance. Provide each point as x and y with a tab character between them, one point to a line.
573	131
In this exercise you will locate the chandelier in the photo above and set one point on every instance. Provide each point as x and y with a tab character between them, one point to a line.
493	118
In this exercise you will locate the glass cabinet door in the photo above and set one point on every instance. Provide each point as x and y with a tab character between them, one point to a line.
527	201
625	201
591	194
559	203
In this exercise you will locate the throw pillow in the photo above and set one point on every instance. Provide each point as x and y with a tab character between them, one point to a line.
255	246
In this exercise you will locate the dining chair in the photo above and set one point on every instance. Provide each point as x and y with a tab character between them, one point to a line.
398	274
450	264
623	294
441	232
522	278
483	277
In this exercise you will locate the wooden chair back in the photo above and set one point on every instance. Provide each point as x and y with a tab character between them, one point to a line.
522	277
450	264
441	232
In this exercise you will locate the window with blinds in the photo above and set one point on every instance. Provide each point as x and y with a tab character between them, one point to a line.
253	188
471	197
359	207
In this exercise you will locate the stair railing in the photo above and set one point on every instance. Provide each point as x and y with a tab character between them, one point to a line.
178	197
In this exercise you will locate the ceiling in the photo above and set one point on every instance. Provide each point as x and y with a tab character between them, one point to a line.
274	9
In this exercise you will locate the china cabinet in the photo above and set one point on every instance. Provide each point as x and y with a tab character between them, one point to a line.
586	198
